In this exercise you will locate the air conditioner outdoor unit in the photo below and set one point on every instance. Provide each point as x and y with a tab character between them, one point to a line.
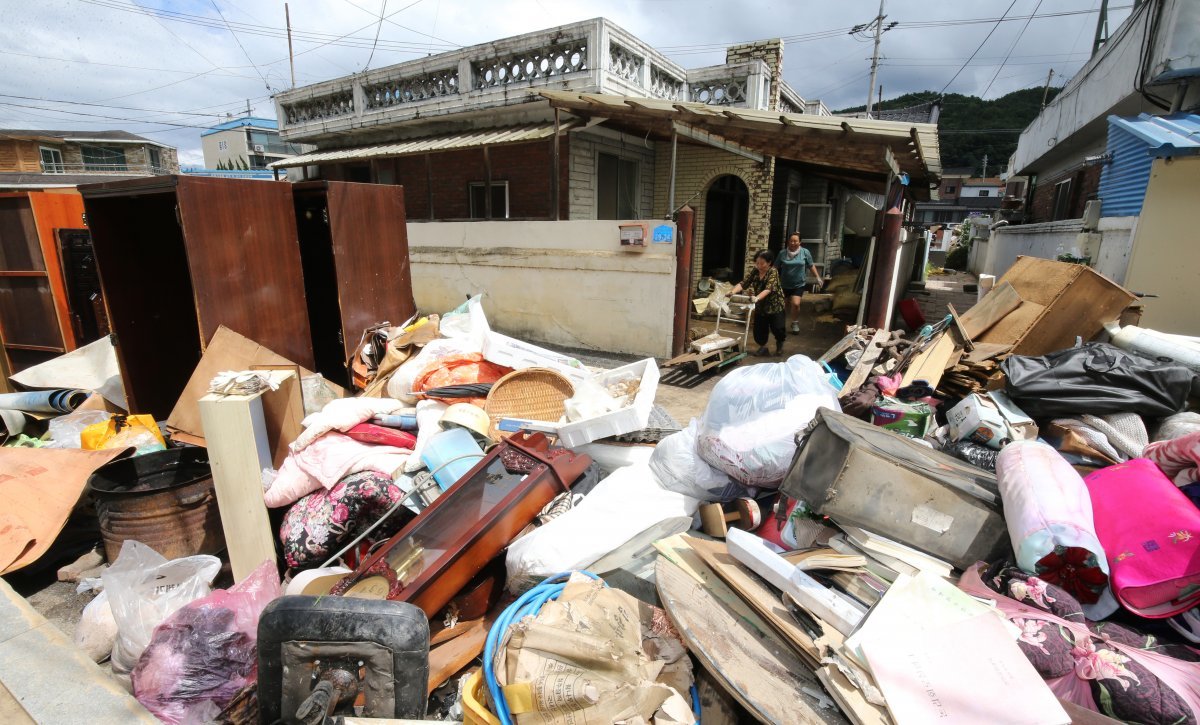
259	148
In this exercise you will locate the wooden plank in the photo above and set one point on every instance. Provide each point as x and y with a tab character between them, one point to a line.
932	362
850	698
761	672
445	660
866	363
985	351
965	340
840	346
678	551
1002	300
768	604
235	430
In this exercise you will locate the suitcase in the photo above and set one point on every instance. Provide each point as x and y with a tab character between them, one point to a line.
862	475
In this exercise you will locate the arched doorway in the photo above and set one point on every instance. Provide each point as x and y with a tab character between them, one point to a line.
726	210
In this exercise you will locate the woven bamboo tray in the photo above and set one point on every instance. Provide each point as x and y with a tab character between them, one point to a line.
533	394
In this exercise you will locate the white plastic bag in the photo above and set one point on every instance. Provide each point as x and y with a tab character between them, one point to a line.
619	508
466	321
143	589
65	429
754	413
677	467
97	629
401	382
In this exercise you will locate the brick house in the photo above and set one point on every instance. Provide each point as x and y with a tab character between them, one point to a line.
35	159
585	121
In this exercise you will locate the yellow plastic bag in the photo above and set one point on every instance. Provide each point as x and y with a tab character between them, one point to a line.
124	431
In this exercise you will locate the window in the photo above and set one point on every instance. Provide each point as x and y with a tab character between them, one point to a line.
223	145
1062	200
950	189
103	158
155	156
985	192
477	191
52	162
616	187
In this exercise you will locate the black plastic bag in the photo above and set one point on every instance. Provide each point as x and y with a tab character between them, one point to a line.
1096	378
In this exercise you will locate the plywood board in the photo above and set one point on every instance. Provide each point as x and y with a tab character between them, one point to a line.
986	351
932	362
446	659
1002	300
862	370
1015	325
850	699
761	672
678	551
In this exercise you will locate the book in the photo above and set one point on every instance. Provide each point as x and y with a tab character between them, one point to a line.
825	558
891	551
860	585
875	566
967	672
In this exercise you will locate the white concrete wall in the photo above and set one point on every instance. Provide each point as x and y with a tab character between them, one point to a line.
567	283
1108	246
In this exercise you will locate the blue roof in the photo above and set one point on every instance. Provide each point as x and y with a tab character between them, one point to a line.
1175	135
267	123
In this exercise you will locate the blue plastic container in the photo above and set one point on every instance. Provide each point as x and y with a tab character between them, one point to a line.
450	454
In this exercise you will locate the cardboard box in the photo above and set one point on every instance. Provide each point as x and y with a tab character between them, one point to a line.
991	419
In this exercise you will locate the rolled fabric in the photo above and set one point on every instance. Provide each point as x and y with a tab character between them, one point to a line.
62	400
1178	458
1049	515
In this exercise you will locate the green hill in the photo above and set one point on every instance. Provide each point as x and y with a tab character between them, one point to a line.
992	119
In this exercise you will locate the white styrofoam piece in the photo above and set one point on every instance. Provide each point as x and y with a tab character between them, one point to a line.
626	420
760	557
520	355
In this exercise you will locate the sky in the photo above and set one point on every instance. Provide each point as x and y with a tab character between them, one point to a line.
167	69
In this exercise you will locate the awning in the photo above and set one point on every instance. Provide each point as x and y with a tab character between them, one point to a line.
845	148
1166	136
427	144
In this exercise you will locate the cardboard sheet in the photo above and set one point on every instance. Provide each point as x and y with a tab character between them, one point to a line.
38	490
92	367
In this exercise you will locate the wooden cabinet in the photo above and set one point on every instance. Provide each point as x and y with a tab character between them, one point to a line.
180	256
354	249
35	317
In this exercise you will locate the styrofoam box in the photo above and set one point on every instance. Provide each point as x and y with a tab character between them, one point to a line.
626	420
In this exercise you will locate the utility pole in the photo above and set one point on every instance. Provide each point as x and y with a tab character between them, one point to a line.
875	58
287	15
880	96
247	108
1046	90
984	175
1101	36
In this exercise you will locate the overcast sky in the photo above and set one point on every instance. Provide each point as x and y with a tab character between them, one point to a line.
137	63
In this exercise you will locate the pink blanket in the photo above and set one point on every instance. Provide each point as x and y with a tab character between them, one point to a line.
1178	458
325	461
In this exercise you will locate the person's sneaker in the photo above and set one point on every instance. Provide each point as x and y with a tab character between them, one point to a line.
779	347
796	326
762	351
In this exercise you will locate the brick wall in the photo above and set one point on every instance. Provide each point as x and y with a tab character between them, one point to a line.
1085	186
768	51
526	168
696	168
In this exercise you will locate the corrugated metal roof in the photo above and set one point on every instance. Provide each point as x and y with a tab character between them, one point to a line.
1124	177
1175	135
428	144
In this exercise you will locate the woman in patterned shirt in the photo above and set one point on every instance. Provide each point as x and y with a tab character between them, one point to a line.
762	283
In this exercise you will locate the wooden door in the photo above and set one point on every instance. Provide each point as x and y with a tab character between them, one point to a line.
244	259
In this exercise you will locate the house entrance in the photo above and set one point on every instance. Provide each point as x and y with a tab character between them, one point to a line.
726	210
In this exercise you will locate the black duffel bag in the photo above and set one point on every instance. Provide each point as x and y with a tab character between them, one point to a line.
1096	378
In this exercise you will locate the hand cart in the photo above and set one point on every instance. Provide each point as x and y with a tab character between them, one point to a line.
719	349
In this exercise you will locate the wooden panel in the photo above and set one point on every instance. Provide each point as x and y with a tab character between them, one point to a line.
244	259
1002	300
52	212
370	249
18	235
932	362
1081	310
862	371
1013	326
27	312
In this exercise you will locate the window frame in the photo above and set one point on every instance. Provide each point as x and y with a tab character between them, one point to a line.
1062	197
93	166
471	185
60	167
151	153
637	182
985	193
951	189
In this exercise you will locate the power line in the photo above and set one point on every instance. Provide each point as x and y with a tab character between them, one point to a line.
239	44
387	19
104	116
1010	50
377	29
107	105
985	40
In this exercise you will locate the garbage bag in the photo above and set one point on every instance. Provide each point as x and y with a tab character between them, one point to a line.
205	653
1096	378
749	427
97	630
678	467
144	588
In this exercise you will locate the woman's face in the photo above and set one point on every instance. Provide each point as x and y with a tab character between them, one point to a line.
761	265
793	243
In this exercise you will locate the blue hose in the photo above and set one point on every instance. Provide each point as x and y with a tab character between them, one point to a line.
528	603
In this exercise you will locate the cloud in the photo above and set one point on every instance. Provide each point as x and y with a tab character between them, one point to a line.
113	52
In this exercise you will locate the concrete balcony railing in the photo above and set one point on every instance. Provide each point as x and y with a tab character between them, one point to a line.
594	56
